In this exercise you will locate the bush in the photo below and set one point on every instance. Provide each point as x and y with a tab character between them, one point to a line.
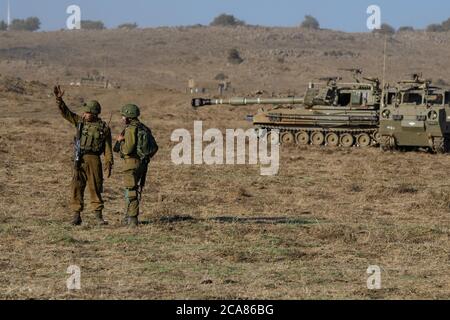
221	76
92	25
234	57
446	25
3	26
226	20
385	29
441	83
435	28
405	29
310	23
29	24
128	26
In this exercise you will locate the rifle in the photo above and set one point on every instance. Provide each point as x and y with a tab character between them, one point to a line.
77	146
143	179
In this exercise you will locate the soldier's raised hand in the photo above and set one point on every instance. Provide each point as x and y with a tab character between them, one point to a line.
58	92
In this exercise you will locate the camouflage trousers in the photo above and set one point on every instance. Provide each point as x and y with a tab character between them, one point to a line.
131	175
89	175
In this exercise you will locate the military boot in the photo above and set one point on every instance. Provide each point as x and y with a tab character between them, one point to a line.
125	220
76	220
133	222
99	219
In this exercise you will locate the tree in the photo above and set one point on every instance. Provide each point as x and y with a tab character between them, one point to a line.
385	29
405	29
310	23
435	28
92	25
226	20
29	24
3	26
234	57
221	76
128	26
446	25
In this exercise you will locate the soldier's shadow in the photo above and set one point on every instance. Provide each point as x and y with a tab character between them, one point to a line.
230	219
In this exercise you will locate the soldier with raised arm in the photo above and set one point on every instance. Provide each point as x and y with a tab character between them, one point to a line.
92	140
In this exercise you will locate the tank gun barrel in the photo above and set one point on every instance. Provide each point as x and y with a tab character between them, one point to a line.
200	102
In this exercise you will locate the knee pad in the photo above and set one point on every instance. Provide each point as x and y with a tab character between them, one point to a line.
130	195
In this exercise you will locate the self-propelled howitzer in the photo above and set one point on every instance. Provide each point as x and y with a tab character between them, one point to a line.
330	113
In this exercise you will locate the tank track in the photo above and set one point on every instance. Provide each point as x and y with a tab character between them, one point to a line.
331	137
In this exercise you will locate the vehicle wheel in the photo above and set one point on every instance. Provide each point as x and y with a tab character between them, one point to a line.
364	140
287	138
302	138
332	139
347	140
317	138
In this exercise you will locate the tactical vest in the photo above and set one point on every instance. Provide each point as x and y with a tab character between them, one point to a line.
93	137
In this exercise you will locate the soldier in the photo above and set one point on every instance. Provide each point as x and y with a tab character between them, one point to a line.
136	146
94	139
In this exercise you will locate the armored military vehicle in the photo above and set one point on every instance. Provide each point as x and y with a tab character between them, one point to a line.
415	114
332	113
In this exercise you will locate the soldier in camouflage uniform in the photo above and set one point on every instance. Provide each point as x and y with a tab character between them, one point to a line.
95	140
134	169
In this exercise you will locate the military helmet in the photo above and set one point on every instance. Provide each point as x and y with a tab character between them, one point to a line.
92	107
131	111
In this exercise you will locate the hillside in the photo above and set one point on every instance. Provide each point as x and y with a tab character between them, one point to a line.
275	59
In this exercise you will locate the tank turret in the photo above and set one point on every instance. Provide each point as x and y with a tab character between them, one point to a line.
331	113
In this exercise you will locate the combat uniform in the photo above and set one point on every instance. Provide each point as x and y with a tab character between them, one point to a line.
95	140
134	168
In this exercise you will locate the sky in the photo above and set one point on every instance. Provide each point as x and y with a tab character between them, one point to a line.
345	15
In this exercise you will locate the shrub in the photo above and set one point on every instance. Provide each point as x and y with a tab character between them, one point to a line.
3	26
385	29
220	76
226	20
128	26
441	83
310	23
405	29
92	25
446	25
234	57
29	24
435	28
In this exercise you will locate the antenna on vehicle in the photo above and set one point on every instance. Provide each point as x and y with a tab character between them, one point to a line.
383	86
384	61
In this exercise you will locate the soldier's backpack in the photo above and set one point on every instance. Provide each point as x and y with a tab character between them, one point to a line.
146	146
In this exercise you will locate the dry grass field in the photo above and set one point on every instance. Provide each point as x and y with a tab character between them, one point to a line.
215	232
